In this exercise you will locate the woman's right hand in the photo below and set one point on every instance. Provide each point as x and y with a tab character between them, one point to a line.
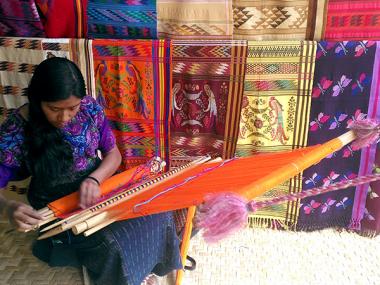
22	216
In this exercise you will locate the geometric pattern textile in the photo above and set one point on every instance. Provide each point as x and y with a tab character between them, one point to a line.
275	112
207	90
195	20
271	20
353	20
19	18
131	19
20	56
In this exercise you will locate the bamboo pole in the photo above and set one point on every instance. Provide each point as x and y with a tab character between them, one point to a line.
113	201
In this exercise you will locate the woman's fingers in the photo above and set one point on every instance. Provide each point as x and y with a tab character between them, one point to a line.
89	193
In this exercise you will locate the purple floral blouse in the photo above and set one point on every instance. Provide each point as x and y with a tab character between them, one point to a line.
87	132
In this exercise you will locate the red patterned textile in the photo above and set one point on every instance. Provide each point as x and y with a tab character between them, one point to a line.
353	20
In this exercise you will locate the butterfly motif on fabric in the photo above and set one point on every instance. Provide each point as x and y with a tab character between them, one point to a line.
327	205
367	215
311	207
344	203
348	176
323	48
313	180
360	83
340	85
358	115
347	152
362	47
318	122
336	121
342	48
329	179
321	87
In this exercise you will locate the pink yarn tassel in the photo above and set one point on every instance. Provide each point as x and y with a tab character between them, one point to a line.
367	132
220	215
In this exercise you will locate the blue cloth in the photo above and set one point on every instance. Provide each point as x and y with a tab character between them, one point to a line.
123	253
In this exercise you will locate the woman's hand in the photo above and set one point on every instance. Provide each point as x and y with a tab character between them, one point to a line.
22	216
89	193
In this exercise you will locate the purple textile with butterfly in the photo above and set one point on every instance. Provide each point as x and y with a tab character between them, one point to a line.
341	94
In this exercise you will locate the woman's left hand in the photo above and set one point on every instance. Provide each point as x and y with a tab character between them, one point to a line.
89	193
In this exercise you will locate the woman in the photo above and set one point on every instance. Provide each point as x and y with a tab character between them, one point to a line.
55	139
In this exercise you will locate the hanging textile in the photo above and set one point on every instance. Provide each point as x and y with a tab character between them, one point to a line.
275	111
272	20
207	90
353	20
317	17
19	18
115	19
20	56
63	19
195	20
133	85
341	94
366	210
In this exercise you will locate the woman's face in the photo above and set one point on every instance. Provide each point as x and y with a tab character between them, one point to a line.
59	113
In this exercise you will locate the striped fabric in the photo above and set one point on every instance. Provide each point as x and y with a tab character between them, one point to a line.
366	208
20	56
195	20
275	112
133	85
19	18
353	20
207	90
130	19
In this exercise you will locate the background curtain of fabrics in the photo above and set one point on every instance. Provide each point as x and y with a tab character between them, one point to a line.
208	79
274	114
133	85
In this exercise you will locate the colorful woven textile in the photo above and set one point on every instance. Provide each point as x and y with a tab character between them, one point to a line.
20	56
133	84
271	20
195	20
275	111
127	19
353	20
19	18
63	19
341	94
207	85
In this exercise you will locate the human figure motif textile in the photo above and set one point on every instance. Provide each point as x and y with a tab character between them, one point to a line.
207	91
275	111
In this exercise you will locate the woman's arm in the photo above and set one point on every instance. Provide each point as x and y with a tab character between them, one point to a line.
89	189
20	215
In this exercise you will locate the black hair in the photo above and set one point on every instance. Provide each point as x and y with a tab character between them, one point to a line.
54	79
